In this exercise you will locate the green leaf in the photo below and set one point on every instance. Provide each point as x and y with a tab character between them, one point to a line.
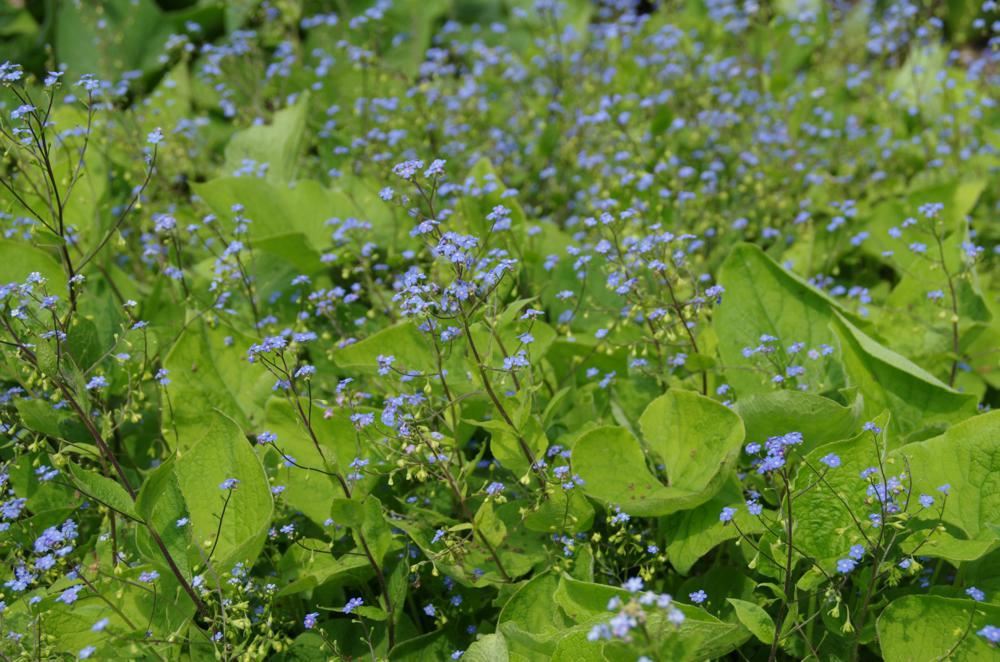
281	213
574	646
887	380
819	419
110	38
19	259
959	198
41	416
277	144
303	568
403	340
755	619
487	648
190	487
763	298
697	438
931	627
824	527
532	608
696	532
208	372
613	466
489	525
966	457
104	489
505	442
431	646
161	504
700	636
563	511
335	447
366	519
375	528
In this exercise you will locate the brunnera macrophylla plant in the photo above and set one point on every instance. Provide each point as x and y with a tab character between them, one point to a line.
515	330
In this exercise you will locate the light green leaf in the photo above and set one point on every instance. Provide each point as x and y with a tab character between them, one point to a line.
305	490
161	504
574	646
755	619
700	636
281	212
19	259
966	457
819	419
489	525
824	527
533	607
613	466
505	442
207	372
931	627
959	197
488	648
277	144
104	489
698	531
887	380
403	341
563	511
763	298
697	438
111	37
219	453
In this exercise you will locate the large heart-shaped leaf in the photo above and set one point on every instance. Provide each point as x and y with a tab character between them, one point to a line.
614	465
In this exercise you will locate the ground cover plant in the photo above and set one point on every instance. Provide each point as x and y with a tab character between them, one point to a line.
499	330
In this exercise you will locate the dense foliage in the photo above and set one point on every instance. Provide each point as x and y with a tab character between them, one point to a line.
500	330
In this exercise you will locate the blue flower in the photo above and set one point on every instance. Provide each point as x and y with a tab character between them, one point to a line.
727	514
698	596
975	593
831	460
353	604
155	136
229	484
70	595
96	383
309	622
846	565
